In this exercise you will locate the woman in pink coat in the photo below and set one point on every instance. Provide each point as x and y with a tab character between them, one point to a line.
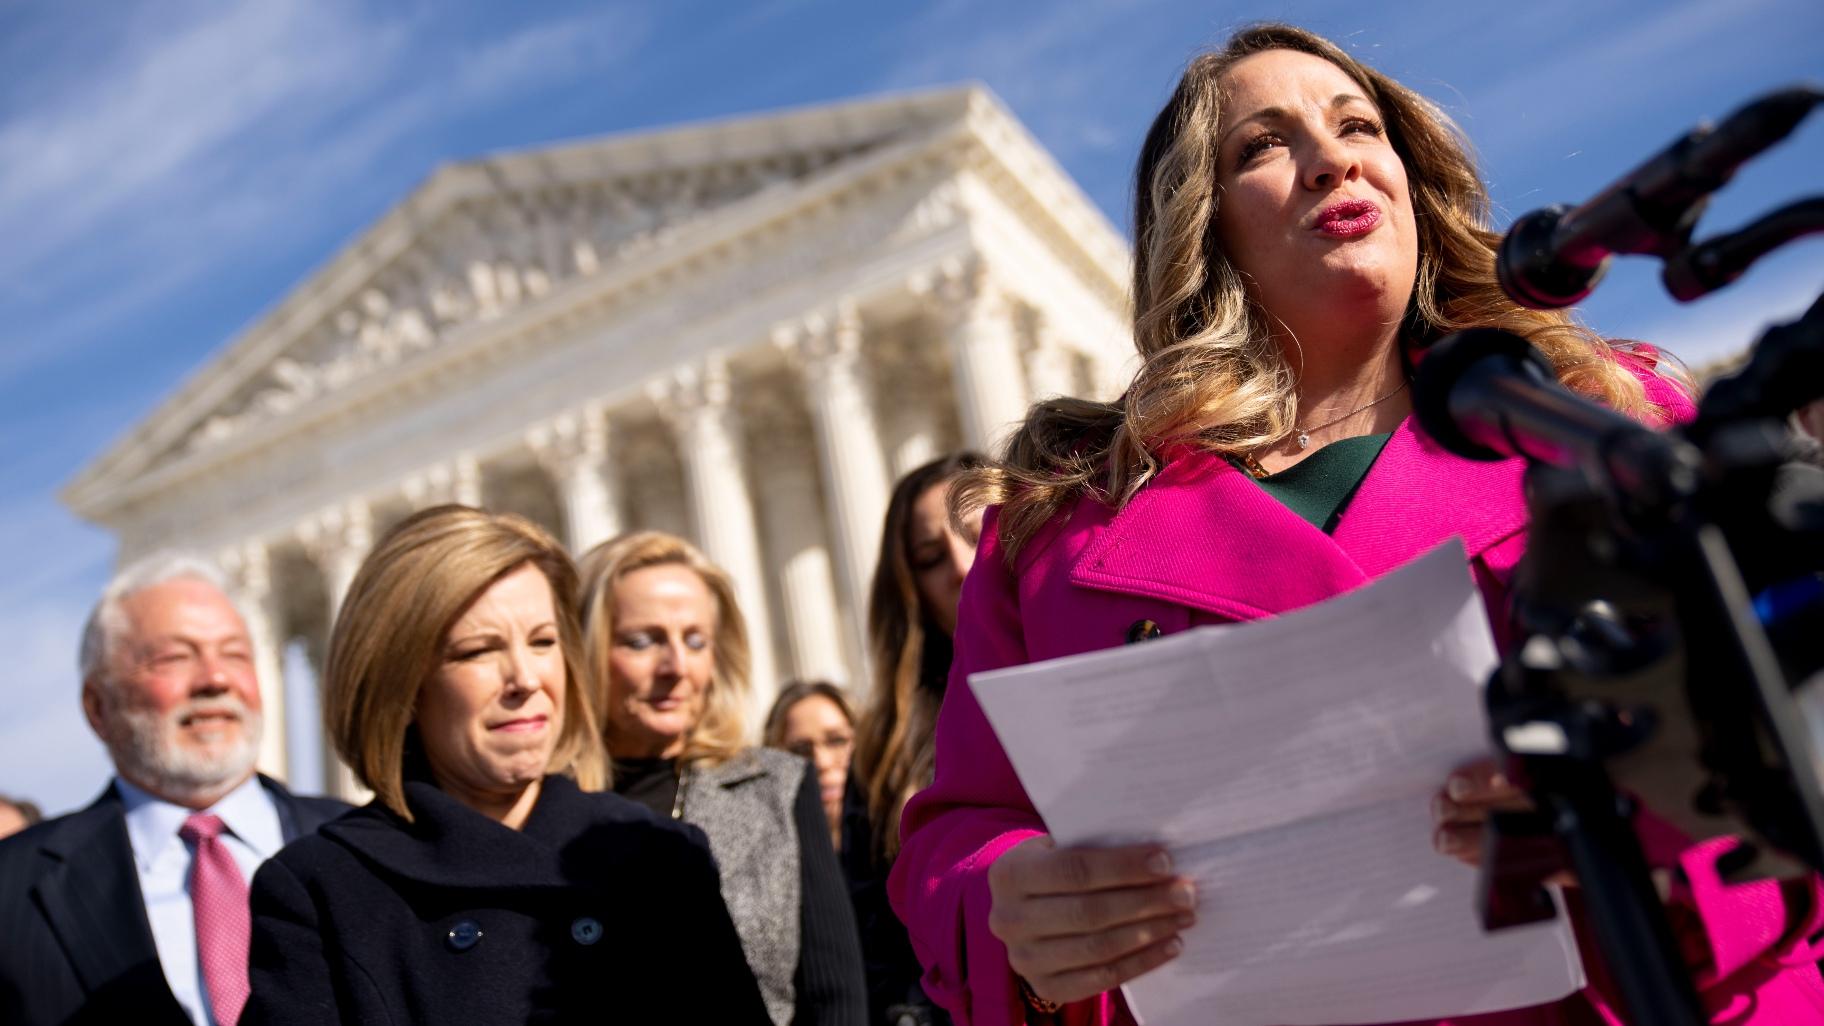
1305	226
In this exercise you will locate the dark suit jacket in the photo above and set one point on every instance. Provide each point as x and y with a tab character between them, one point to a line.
75	943
595	911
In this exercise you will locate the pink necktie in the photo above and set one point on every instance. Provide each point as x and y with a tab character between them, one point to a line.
223	924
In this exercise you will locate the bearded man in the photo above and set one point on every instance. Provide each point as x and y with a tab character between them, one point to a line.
135	908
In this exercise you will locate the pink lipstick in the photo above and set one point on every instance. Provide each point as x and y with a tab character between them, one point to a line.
1348	219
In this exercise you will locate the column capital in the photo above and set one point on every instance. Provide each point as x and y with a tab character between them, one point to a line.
826	331
824	346
336	530
457	480
574	437
691	393
573	449
248	567
959	288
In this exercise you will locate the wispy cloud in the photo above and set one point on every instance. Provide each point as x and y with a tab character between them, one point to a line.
1587	78
555	50
1056	67
210	141
147	126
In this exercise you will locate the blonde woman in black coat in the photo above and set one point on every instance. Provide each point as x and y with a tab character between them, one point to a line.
485	882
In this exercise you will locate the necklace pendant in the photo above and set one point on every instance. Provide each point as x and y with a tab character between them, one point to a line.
1304	440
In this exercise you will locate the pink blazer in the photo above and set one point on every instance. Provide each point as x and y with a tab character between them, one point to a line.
1200	544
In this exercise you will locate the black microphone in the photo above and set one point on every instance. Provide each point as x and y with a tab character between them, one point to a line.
1554	257
1486	394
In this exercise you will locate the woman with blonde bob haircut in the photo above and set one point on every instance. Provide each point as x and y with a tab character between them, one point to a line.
666	639
389	633
1305	227
455	692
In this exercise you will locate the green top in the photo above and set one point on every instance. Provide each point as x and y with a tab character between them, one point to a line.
1319	486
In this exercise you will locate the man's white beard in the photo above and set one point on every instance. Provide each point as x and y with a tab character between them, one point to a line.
152	756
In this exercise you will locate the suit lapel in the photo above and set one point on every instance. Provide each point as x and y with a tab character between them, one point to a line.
289	826
740	769
1204	535
90	895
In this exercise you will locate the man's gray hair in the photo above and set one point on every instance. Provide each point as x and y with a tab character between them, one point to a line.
107	620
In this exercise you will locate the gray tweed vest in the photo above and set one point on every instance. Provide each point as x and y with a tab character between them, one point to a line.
745	806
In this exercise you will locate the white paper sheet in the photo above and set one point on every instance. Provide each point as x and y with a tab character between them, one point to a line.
1289	766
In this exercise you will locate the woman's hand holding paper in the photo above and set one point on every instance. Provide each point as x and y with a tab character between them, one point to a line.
1079	921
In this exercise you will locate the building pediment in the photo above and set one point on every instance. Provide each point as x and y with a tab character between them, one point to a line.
479	258
485	239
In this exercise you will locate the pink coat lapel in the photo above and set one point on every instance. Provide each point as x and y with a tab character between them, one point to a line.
1241	554
1417	495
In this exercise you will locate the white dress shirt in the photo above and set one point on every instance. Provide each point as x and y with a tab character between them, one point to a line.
252	834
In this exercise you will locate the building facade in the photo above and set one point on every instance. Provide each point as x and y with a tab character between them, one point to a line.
738	331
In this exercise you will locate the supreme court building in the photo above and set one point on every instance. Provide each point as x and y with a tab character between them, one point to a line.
739	331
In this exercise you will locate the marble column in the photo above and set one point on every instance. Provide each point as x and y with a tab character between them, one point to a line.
916	447
249	570
695	401
573	449
827	351
984	351
793	522
338	539
1050	363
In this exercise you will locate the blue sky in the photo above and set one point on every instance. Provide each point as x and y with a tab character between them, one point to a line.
169	170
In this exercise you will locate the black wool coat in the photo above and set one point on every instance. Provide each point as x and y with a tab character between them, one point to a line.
597	910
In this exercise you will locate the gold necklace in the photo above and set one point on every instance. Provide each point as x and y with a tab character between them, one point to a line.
1304	434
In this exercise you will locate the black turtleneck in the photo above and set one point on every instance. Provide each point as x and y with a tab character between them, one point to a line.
650	782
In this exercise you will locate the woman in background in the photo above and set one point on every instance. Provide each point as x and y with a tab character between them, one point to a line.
484	882
918	581
663	631
812	720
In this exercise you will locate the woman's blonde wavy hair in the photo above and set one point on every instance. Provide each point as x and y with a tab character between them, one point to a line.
722	732
390	634
1211	374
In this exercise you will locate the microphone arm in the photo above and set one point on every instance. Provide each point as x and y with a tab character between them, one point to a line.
1554	257
1489	395
1701	269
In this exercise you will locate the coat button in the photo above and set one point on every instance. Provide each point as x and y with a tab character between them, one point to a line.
586	930
1142	630
464	935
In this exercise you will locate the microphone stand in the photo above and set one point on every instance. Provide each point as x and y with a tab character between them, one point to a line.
1640	578
1557	746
